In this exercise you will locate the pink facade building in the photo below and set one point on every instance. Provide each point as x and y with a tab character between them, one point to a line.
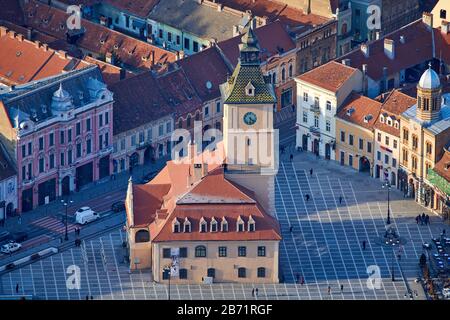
60	135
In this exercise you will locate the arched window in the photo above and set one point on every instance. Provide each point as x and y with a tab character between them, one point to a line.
290	72
197	116
283	74
175	225
218	125
344	29
251	224
188	121
224	225
261	272
200	251
187	225
203	225
211	272
213	225
142	236
180	123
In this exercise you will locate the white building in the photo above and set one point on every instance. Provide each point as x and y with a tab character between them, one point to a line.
387	136
320	92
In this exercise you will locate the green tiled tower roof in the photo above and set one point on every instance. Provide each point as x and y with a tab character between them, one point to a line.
248	71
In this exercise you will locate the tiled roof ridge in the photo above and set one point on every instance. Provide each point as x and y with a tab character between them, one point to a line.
43	83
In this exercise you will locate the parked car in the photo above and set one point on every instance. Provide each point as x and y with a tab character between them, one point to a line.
10	247
149	177
19	236
85	215
4	235
118	206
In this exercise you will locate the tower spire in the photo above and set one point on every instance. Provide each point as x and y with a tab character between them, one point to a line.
249	47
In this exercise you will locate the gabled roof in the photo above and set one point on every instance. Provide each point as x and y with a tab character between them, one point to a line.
139	8
206	71
147	199
359	110
97	38
442	167
330	76
418	48
273	40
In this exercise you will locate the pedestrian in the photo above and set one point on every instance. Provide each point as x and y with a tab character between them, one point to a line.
418	219
302	281
293	108
364	244
340	200
443	232
427	220
342	288
20	219
311	171
256	292
290	229
423	218
17	288
329	290
87	297
253	292
92	298
307	197
291	157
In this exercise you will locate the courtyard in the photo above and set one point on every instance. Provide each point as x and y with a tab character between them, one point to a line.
322	243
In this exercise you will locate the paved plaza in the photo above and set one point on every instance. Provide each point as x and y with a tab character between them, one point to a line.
324	247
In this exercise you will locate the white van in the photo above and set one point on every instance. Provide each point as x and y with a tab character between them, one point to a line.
85	215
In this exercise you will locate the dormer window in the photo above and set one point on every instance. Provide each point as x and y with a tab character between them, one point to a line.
250	90
240	225
396	125
381	118
389	122
251	224
367	118
203	225
187	225
213	225
175	226
224	225
350	112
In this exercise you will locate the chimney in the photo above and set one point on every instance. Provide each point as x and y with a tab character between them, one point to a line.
205	169
45	46
377	35
29	33
219	7
445	27
181	54
195	169
12	34
38	44
152	57
365	49
109	58
346	62
20	37
3	31
307	6
365	80
389	48
129	203
427	19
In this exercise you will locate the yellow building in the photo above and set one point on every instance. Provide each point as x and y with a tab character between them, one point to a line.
211	218
425	131
354	132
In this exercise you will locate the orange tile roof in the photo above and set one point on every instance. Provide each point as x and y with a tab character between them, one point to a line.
97	38
22	61
147	199
442	45
362	107
330	76
442	167
139	8
395	104
418	48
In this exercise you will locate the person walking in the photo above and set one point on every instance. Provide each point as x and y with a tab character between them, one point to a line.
297	278
307	197
329	290
364	244
87	297
256	292
423	218
302	281
311	171
443	232
418	219
340	199
290	229
342	288
427	220
17	288
291	157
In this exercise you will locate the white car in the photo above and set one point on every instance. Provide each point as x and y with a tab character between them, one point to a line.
85	215
10	247
446	293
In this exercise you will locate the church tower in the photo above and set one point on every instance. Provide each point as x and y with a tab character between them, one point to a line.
250	141
429	96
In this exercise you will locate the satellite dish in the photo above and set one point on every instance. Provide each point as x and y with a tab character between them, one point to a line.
208	85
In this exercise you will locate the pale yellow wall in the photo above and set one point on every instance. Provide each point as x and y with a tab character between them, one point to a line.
141	251
357	132
225	266
442	4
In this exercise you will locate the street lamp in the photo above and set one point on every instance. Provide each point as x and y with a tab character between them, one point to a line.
168	269
387	185
66	204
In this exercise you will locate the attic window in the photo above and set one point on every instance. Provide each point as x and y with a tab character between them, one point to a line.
144	58
116	46
240	225
203	225
175	226
250	90
61	26
213	225
30	14
251	224
447	166
389	121
187	225
102	41
350	111
367	118
396	124
224	225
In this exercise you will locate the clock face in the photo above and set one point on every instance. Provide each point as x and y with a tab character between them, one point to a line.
250	118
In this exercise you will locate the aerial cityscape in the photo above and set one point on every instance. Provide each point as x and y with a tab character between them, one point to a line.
224	150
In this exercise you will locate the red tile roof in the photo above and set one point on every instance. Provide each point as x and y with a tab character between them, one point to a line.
442	45
97	38
288	15
147	199
442	167
395	104
207	65
330	76
273	39
418	48
139	8
23	61
363	107
111	74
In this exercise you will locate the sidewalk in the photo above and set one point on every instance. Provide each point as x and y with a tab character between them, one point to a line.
89	192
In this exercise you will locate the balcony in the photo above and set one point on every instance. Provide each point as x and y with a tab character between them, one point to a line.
105	151
315	108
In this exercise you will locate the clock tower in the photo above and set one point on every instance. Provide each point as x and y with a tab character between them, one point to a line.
250	141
